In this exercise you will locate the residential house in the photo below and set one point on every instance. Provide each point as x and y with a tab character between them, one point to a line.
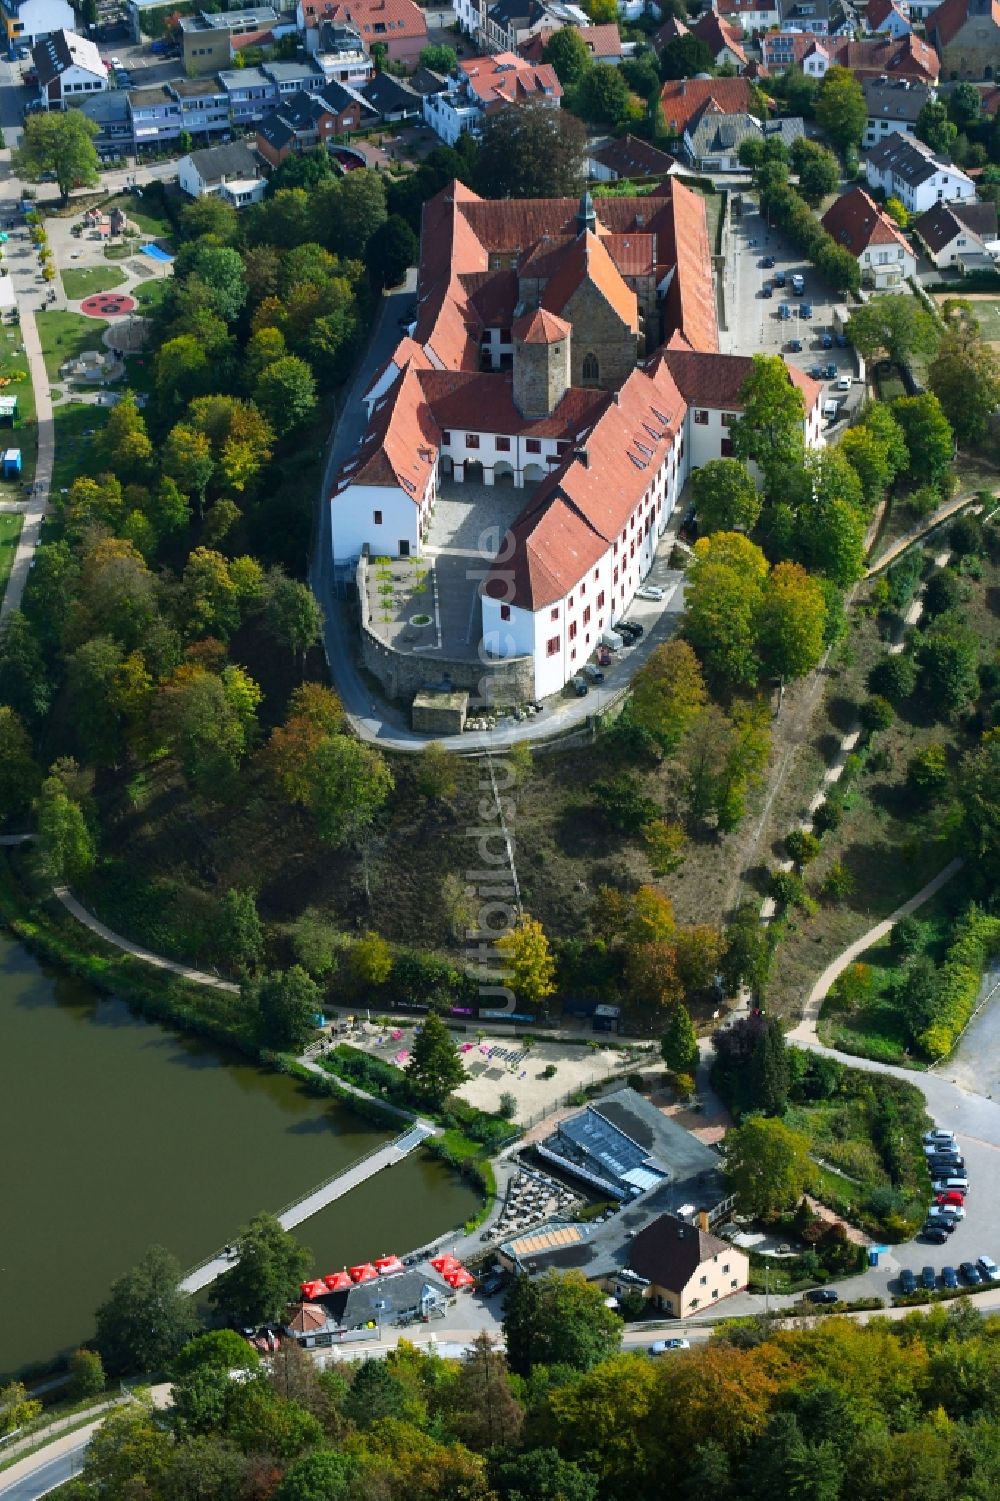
628	156
604	43
361	1308
963	235
893	106
752	16
884	256
395	99
683	98
309	120
293	77
210	39
399	26
204	106
889	18
232	172
822	17
250	92
781	50
712	139
876	57
69	68
156	115
506	25
28	21
110	113
682	1268
723	40
966	34
483	84
903	167
340	54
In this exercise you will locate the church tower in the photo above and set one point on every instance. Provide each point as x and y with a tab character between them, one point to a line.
541	362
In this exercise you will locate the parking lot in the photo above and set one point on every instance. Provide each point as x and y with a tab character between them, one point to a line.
755	321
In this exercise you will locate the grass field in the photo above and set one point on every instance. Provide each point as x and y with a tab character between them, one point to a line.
25	435
75	423
140	214
985	309
65	335
149	294
79	282
10	531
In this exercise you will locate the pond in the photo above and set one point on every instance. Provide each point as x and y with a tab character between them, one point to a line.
119	1134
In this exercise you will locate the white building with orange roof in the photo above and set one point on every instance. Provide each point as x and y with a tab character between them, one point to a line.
483	84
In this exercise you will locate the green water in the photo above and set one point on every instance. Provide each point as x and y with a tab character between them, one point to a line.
117	1134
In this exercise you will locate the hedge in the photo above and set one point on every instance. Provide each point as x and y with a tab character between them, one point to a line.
977	938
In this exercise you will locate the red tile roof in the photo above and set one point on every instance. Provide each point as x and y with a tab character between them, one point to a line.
880	10
401	18
716	380
508	79
484	402
691	295
856	221
586	259
902	57
944	23
541	327
602	41
401	443
718	34
682	98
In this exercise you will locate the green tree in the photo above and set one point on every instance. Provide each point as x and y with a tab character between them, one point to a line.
746	958
569	54
769	1069
322	1476
435	1067
893	326
767	1164
679	1042
16	1407
218	1350
86	1375
770	429
685	57
207	722
128	1454
483	1410
528	960
439	59
371	960
145	1320
293	614
124	443
897	211
361	209
603	97
841	111
346	785
437	773
948	663
392	249
288	1002
668	692
978	787
869	458
187	460
209	216
264	1278
286	394
725	588
65	842
220	271
209	599
240	935
818	169
24	681
791	622
20	777
965	105
934	126
965	377
61	142
558	1319
929	438
531	151
725	497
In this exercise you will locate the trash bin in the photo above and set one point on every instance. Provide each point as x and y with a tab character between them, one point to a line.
873	1256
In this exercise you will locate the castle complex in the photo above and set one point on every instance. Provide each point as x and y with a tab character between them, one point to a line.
569	350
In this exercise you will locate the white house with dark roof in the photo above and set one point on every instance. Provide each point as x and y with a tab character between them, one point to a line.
27	21
884	256
69	69
960	234
903	167
893	105
232	172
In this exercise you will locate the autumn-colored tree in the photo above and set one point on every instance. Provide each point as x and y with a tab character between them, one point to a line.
371	960
313	713
699	949
529	965
725	584
791	622
668	692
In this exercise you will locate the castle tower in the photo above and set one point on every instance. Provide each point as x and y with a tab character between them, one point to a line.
541	362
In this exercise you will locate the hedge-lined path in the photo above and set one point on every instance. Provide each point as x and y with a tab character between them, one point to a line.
185	971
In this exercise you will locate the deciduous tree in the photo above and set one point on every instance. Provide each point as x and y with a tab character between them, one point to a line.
892	326
841	111
528	960
61	142
668	692
558	1319
531	151
20	776
265	1277
791	622
770	429
725	497
569	54
286	394
145	1320
287	1002
679	1041
725	586
767	1164
965	377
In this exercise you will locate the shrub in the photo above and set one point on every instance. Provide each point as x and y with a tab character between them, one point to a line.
684	1086
636	1082
967	537
877	714
802	846
508	1105
828	815
903	578
852	988
549	1071
941	592
978	937
894	678
838	883
908	937
927	771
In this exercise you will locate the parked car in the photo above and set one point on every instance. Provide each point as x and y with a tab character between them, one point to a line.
989	1268
831	410
946	1212
928	1278
634	629
798	284
907	1281
795	346
806	310
688	529
823	1295
767	290
784	311
971	1273
931	1138
946	1167
937	1234
842	341
661	1346
593	672
650	591
779	278
951	1197
830	371
945	1185
116	62
826	341
949	1276
816	372
493	1284
580	686
844	383
768	262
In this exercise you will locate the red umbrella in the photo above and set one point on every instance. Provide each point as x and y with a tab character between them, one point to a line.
338	1282
459	1277
386	1265
365	1273
314	1289
444	1264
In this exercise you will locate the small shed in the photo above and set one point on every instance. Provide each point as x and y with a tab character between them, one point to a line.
8	409
440	713
11	463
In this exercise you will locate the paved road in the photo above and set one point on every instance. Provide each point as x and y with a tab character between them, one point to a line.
48	1474
975	1064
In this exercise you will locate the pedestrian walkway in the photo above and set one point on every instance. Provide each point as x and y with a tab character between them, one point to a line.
38	504
185	971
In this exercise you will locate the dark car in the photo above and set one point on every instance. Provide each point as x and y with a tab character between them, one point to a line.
767	290
768	262
830	371
936	1233
816	372
688	529
928	1278
971	1273
806	310
795	346
949	1276
779	278
630	629
826	341
822	1295
492	1285
842	341
907	1281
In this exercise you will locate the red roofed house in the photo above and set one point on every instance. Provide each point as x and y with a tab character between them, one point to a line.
876	242
682	98
966	34
722	39
604	43
752	16
399	25
888	18
483	84
905	57
537	361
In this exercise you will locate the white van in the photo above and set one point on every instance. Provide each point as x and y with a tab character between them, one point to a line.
612	640
831	410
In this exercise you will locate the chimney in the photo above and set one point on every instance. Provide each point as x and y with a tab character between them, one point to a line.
583	456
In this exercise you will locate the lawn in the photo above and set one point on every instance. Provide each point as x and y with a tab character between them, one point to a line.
14	366
141	213
76	423
80	282
65	335
149	294
985	310
10	531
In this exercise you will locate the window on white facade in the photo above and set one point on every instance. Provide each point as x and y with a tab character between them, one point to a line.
552	646
505	612
377	518
701	417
